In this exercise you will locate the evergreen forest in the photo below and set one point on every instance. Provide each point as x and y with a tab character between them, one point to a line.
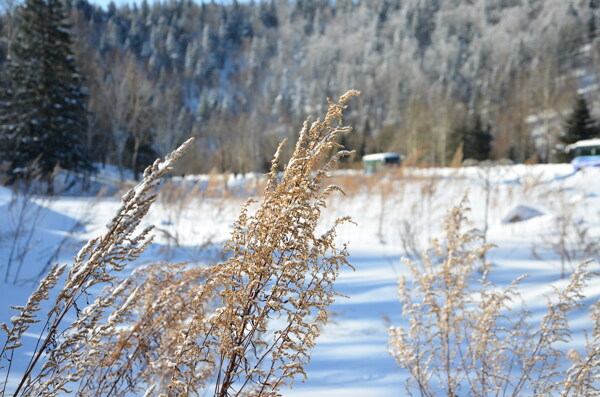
498	79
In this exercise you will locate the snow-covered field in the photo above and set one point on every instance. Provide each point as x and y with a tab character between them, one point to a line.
543	220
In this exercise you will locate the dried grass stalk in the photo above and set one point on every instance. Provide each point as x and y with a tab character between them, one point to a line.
96	263
274	290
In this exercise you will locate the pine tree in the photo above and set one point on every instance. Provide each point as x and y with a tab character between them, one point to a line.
43	117
580	124
475	136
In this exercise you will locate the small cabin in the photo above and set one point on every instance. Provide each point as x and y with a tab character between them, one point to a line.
377	161
585	153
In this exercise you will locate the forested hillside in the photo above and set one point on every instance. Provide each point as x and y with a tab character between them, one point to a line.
240	76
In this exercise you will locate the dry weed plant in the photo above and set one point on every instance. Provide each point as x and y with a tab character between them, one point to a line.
134	345
244	327
531	183
386	193
415	159
465	336
26	209
23	215
429	186
216	186
273	293
352	184
408	232
408	224
457	157
84	218
175	199
95	264
485	171
569	237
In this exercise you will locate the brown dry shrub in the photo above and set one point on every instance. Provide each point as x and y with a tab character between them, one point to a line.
465	336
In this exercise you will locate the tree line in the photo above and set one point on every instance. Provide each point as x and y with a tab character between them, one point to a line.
498	80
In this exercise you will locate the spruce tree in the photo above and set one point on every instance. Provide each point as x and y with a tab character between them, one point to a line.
43	117
580	124
475	136
480	139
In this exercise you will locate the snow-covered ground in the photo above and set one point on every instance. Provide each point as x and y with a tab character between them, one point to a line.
524	209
